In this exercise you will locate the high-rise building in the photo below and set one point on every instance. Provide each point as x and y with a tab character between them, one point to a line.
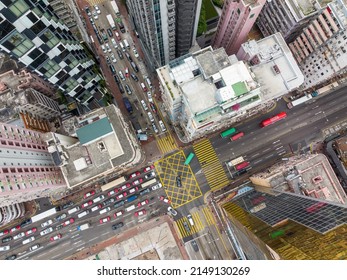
32	33
27	170
187	19
269	224
236	21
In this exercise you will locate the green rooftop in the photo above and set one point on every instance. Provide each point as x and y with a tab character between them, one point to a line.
93	131
240	88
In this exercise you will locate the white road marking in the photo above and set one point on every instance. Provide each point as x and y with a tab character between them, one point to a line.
278	148
257	161
257	154
269	156
93	238
276	141
268	149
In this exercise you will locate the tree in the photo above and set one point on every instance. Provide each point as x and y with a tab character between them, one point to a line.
202	25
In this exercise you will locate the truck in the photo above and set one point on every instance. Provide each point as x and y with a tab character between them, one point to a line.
299	101
83	227
111	22
235	161
127	105
115	7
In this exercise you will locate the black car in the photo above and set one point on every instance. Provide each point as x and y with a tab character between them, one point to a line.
121	88
113	70
128	56
134	66
117	226
187	228
12	257
116	78
25	223
128	89
109	31
178	181
58	227
118	204
135	78
195	246
7	239
120	54
108	201
108	60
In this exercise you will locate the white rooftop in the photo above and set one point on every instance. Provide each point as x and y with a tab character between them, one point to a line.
184	72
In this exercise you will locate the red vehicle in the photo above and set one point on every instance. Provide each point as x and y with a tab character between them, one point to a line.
88	194
86	204
105	220
30	231
274	119
148	168
237	136
56	237
242	165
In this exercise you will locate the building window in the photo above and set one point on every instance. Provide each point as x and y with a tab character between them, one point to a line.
252	15
19	7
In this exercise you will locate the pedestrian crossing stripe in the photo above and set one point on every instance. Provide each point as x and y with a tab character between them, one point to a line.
211	166
166	144
208	216
198	225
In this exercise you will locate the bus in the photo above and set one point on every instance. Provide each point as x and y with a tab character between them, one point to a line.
236	136
148	183
242	165
228	132
299	101
189	158
44	214
273	119
113	184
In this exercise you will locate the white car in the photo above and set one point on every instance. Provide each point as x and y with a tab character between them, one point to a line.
155	128
114	43
149	95
150	175
46	231
97	9
113	58
108	47
34	247
162	126
47	223
172	211
135	52
19	235
157	186
95	15
144	105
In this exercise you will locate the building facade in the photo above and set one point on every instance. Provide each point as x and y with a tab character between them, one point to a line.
187	19
63	11
27	170
237	19
321	47
31	32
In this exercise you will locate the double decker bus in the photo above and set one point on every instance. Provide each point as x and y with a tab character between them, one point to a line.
189	158
236	136
273	119
228	132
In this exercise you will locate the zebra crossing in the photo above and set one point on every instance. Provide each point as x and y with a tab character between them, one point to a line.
166	144
211	166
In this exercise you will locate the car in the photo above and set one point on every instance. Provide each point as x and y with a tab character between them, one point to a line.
121	75
157	186
34	247
112	192
105	220
116	78
67	205
172	211
6	231
108	47
19	236
108	60
12	257
140	213
133	190
7	239
103	48
58	227
164	199
109	31
178	181
30	231
88	194
135	52
88	11
120	55
134	66
128	89
97	9
143	203
25	223
135	174
150	175
150	116
144	88
117	226
91	21
30	239
46	231
114	43
149	96
86	204
95	15
15	228
113	70
69	222
135	78
195	246
145	191
154	109
144	105
119	213
148	168
105	210
121	88
4	248
118	36
121	195
162	126
60	217
96	207
108	201
155	128
127	72
56	237
113	58
127	185
137	182
128	56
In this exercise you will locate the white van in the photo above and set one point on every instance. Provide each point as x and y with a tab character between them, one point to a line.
105	210
73	210
126	44
150	116
122	46
5	248
148	82
190	219
82	214
162	126
144	105
103	48
99	198
97	207
132	207
26	241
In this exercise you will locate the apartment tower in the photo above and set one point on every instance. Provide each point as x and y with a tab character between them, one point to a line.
237	19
